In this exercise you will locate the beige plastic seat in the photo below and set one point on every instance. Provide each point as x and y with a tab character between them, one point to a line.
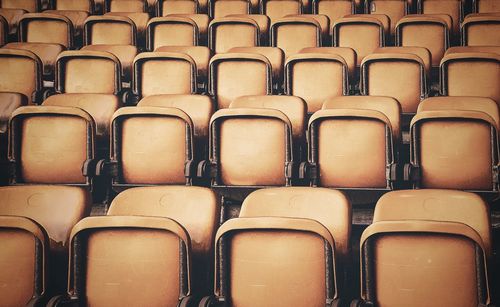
334	9
46	35
90	80
262	21
413	229
201	56
310	228
453	8
232	75
471	74
167	7
292	34
394	9
398	75
275	56
473	49
221	33
348	54
324	23
135	10
428	31
364	34
485	6
76	11
113	34
454	145
223	8
31	6
201	20
422	52
171	31
481	31
353	143
277	9
331	78
163	73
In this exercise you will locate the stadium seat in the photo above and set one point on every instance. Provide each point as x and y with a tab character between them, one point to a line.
262	21
201	20
46	35
453	8
292	34
331	78
471	74
167	7
453	144
348	54
277	9
30	6
394	9
310	228
232	75
422	52
223	8
324	23
423	245
76	11
136	10
221	33
481	31
171	31
485	6
334	9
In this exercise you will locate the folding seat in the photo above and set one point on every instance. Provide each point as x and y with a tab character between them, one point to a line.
46	35
324	23
167	7
223	8
171	31
423	245
450	132
481	31
485	6
453	8
471	74
348	54
334	9
136	10
76	11
277	9
362	33
113	34
398	75
35	223
330	77
221	31
353	143
262	21
394	9
310	228
292	34
158	73
232	75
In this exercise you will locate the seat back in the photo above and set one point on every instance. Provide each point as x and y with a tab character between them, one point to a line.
481	31
31	6
453	8
109	30
232	75
127	6
292	34
46	28
167	7
171	31
334	9
221	31
421	52
51	144
332	78
88	72
485	6
223	8
72	5
21	73
348	54
276	9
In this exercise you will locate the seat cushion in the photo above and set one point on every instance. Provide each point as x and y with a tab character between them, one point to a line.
124	53
8	103
46	52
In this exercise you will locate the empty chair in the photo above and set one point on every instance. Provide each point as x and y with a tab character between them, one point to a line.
334	9
353	143
471	74
453	8
363	34
330	77
453	144
163	73
223	8
136	10
348	54
276	9
201	20
232	75
485	6
423	53
171	31
423	245
167	7
394	9
76	11
114	34
310	228
481	31
46	35
262	21
324	23
292	34
221	33
398	75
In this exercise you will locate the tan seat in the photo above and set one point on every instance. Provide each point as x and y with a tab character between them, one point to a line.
394	9
428	31
243	156
139	19
136	10
383	19
264	23
455	148
471	74
12	17
362	33
274	54
178	203
422	52
171	31
486	6
232	75
201	20
355	140
201	56
163	73
167	7
221	31
473	49
331	78
277	9
348	54
114	34
292	34
46	35
411	229
398	75
76	11
324	23
481	31
223	8
310	228
453	8
30	6
334	9
77	18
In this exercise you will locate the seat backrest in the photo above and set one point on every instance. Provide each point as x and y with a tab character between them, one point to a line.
109	30
481	31
127	6
223	8
221	31
163	73
46	28
453	8
348	54
21	72
232	75
274	54
168	7
242	153
324	23
485	6
398	75
332	78
88	72
295	33
51	144
422	52
334	9
276	9
72	5
31	6
394	9
471	74
473	49
151	145
171	31
160	245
